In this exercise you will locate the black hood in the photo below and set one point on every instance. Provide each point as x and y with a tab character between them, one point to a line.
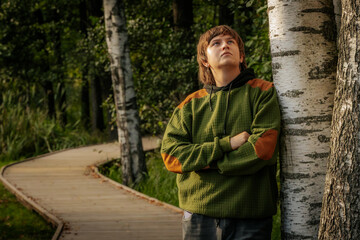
239	81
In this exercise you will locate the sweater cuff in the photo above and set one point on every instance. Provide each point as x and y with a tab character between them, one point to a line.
225	144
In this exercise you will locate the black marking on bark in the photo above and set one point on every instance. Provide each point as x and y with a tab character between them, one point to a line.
327	30
298	190
276	66
295	175
305	30
319	173
109	34
271	8
322	10
315	207
313	222
299	132
357	57
304	199
292	94
323	139
312	119
316	155
285	53
327	68
305	162
296	237
131	103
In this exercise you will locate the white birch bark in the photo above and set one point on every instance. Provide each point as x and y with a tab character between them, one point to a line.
340	215
302	38
132	158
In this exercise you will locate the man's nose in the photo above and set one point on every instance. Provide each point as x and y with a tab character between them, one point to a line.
225	45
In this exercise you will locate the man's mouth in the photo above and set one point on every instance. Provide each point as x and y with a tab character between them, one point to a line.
226	53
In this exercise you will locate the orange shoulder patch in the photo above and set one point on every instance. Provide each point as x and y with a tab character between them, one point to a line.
171	163
262	84
198	94
265	145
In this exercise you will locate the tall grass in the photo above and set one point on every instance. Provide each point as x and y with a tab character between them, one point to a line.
158	183
26	132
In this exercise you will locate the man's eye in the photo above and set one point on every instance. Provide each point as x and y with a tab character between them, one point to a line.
215	43
231	41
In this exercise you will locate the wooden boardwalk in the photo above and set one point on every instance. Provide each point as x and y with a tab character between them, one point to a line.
67	190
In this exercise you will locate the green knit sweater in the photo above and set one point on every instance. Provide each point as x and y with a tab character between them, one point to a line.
240	183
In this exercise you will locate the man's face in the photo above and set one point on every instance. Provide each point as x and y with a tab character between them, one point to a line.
223	51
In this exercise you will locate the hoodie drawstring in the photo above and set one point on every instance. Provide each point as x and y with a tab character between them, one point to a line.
227	107
211	109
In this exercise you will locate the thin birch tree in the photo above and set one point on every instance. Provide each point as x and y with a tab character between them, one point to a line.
340	216
303	49
132	157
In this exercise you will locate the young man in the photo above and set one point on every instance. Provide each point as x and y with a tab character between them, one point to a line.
223	143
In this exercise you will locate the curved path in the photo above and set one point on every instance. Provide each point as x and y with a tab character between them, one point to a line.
66	189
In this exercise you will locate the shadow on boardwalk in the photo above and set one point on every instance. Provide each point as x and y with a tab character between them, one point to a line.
66	189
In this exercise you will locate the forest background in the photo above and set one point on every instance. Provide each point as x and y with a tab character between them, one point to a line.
55	80
55	83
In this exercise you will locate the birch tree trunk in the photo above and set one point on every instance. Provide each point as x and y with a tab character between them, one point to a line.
337	12
303	49
340	216
132	157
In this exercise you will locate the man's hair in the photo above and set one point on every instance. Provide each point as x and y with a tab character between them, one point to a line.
205	74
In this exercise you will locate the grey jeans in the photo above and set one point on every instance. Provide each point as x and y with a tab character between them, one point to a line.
200	227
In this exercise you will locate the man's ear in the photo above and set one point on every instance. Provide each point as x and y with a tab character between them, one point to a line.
242	59
205	63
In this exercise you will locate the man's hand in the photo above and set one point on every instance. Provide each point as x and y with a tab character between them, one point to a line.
238	140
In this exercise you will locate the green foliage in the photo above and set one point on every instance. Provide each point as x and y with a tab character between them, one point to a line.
257	43
276	233
164	67
89	56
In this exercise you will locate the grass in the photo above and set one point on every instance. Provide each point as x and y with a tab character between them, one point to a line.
18	222
158	183
161	184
